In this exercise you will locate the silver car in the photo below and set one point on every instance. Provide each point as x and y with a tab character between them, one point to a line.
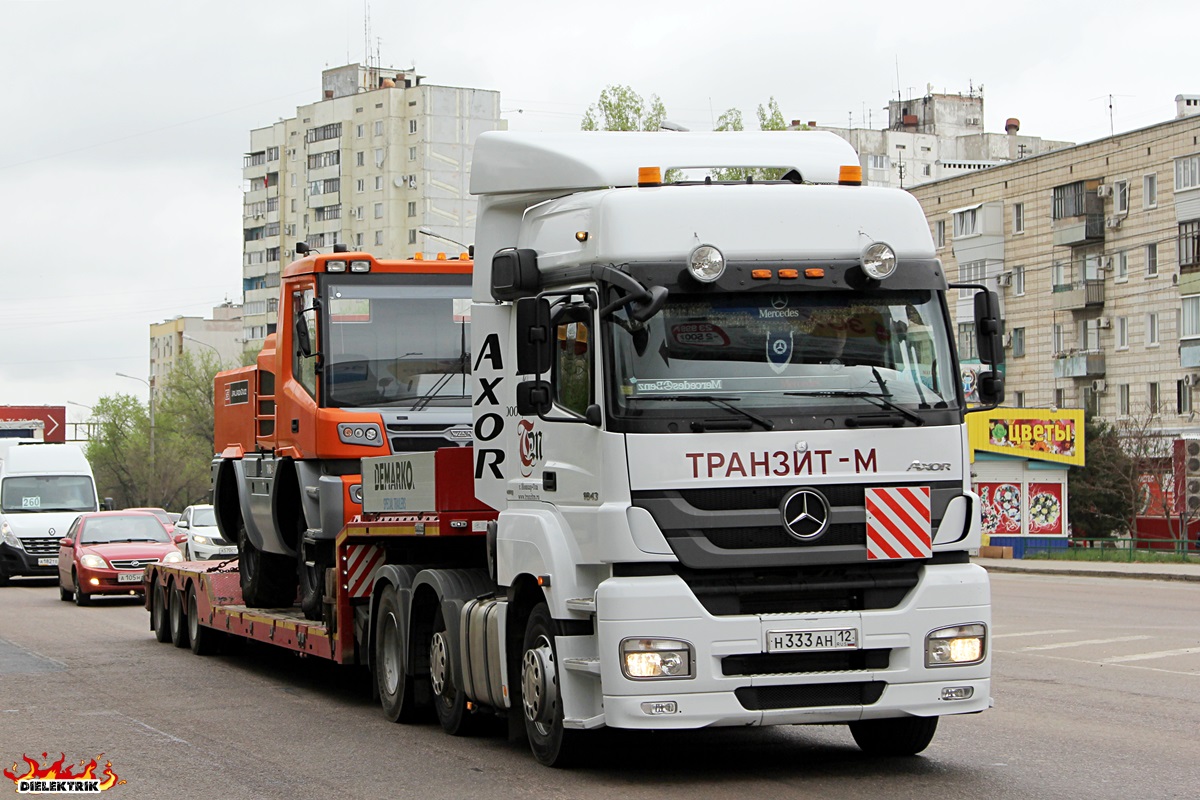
204	542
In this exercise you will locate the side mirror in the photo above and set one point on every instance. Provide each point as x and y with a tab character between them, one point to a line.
988	335
990	388
303	338
643	310
533	344
66	541
180	538
182	524
533	398
514	273
107	505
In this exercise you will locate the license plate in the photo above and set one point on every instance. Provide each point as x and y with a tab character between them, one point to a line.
48	562
227	551
811	640
131	577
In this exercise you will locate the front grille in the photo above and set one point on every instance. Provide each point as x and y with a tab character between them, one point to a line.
777	536
41	546
132	563
764	698
729	499
800	663
419	444
397	427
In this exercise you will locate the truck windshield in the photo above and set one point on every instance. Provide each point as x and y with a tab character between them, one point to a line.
784	355
397	345
35	493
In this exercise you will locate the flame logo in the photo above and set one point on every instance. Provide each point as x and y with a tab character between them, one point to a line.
57	772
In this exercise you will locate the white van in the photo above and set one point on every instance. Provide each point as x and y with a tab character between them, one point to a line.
43	488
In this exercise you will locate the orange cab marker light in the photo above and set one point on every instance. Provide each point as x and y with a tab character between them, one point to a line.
760	274
850	175
814	272
789	273
418	256
649	176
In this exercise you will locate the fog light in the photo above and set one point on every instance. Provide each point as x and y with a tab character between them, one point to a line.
954	646
94	581
658	707
706	263
648	659
958	692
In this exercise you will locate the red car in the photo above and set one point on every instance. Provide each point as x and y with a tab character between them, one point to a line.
106	552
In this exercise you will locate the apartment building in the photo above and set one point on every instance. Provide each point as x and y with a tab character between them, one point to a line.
1095	253
378	158
219	337
936	136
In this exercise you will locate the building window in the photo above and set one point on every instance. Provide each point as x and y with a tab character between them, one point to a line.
1189	243
1152	329
1018	281
412	237
1058	277
358	212
966	341
1151	260
1183	398
378	183
359	131
966	222
1018	217
926	170
877	162
1123	399
379	151
412	154
378	237
1056	338
379	211
360	185
412	126
1152	397
1060	398
1122	333
358	240
1091	401
939	233
1121	197
412	209
1122	260
1187	173
1189	317
324	132
1018	342
1068	201
379	127
360	159
1019	399
1150	190
971	272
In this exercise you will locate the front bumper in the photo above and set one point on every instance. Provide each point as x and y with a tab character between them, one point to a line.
107	581
774	690
16	562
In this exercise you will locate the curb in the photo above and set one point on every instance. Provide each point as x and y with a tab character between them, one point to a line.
1146	576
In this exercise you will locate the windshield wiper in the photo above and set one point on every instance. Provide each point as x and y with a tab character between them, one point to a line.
881	400
719	402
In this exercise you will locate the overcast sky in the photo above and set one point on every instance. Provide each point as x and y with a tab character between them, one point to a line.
124	123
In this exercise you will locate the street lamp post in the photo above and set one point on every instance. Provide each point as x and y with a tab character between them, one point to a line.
151	388
205	344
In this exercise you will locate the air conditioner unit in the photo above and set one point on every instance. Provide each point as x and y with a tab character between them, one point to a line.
1106	263
1008	339
1112	222
1103	190
1191	379
1099	385
1004	279
1104	322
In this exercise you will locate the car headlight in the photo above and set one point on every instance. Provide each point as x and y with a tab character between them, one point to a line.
956	646
92	561
647	659
173	557
9	537
198	539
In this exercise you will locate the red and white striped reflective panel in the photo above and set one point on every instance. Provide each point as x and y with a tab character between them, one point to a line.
898	523
359	568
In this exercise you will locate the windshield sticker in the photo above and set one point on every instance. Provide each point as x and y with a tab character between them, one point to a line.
699	334
779	350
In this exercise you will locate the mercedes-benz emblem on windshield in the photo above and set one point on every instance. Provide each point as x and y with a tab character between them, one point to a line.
805	513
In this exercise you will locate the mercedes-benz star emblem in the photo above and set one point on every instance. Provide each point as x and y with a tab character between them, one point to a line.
805	513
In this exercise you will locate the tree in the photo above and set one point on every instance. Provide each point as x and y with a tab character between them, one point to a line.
1099	493
770	118
620	108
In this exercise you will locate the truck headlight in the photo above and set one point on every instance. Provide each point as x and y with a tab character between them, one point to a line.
956	646
879	261
92	561
647	659
706	263
9	537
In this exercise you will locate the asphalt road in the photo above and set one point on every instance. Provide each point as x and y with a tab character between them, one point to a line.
1097	691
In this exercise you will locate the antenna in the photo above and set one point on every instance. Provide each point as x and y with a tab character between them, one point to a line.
1110	117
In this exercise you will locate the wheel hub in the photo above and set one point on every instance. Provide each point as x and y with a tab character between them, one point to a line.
539	683
439	663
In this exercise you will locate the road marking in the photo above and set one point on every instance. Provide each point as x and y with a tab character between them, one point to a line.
1059	645
1192	674
1147	656
1029	633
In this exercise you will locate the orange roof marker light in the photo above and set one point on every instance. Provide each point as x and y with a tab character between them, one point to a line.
789	274
814	272
850	175
760	274
649	176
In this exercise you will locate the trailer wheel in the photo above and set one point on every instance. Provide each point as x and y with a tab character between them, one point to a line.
312	578
396	687
449	701
551	743
178	620
204	640
905	736
158	614
268	579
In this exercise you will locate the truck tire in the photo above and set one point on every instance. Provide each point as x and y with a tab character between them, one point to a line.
268	579
551	743
905	736
312	578
158	614
203	640
397	694
177	617
449	701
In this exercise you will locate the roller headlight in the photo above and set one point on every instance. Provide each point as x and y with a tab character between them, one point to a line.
706	263
92	561
648	659
879	261
956	646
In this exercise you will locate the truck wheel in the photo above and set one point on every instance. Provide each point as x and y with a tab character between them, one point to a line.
81	599
396	687
905	736
448	700
158	614
178	620
268	579
312	578
552	744
204	640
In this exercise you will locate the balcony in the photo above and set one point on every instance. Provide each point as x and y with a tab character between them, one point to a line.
1079	295
1189	353
1079	230
1080	364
